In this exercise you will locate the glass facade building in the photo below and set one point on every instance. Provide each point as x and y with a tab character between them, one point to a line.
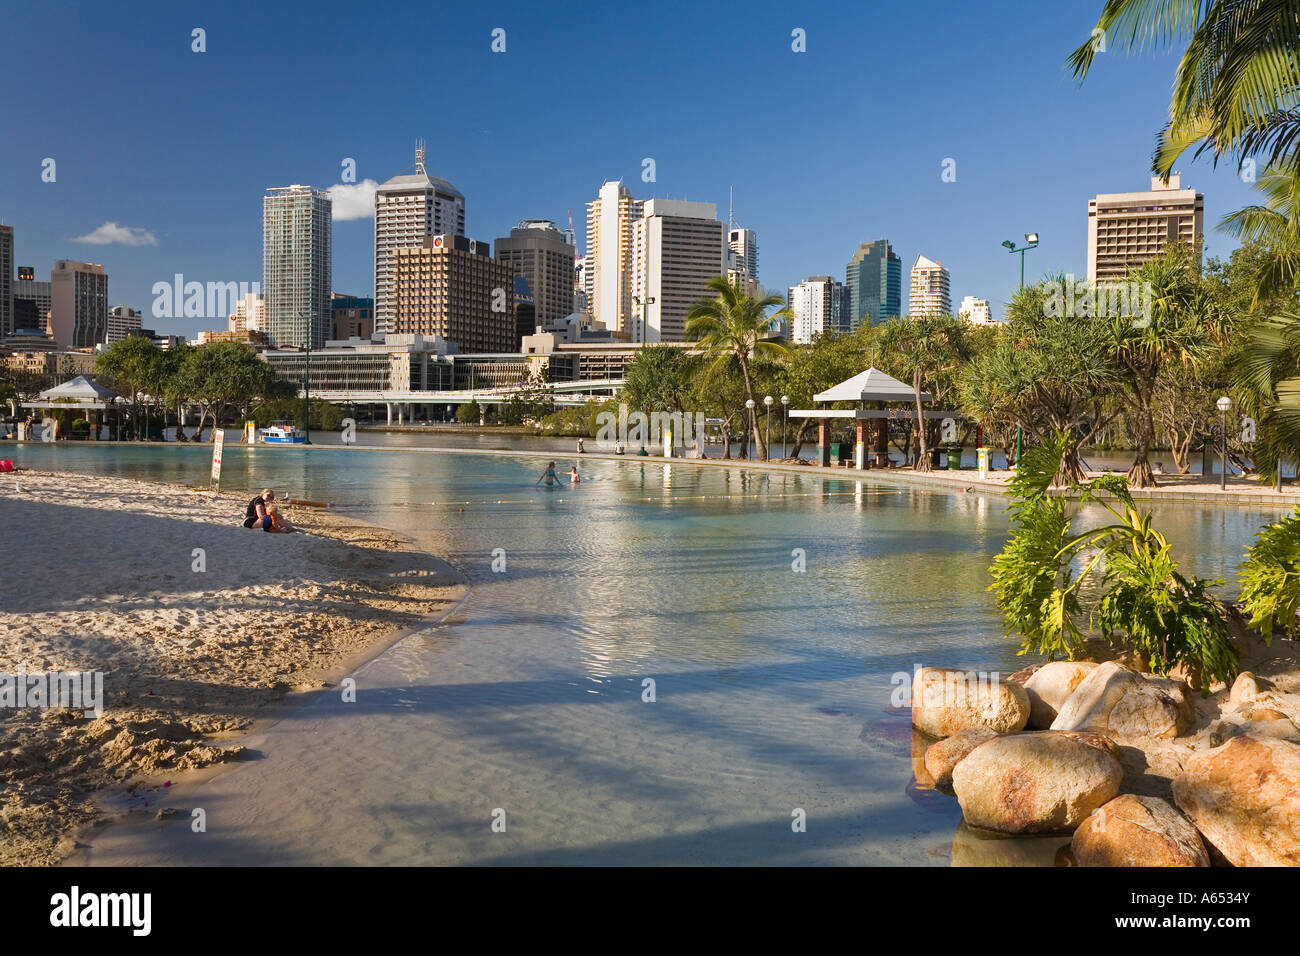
874	280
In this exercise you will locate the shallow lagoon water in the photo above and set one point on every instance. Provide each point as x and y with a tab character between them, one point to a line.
772	687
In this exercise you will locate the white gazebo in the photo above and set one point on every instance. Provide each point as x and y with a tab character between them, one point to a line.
79	393
881	390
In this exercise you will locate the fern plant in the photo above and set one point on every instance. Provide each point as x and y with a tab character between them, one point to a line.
1270	577
1143	604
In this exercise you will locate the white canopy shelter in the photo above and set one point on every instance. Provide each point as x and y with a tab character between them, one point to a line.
872	385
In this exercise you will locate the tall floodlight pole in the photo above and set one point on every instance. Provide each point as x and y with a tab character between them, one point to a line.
1031	242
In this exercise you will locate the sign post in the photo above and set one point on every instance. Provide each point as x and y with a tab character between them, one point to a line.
218	442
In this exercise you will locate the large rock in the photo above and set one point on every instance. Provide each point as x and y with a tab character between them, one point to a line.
946	701
1138	831
1254	719
1050	687
1244	797
1035	783
1123	704
1247	689
941	758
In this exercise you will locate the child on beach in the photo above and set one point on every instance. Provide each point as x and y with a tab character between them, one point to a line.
279	523
573	475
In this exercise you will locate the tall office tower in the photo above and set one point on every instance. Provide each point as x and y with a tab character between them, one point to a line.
122	321
249	314
976	311
1126	230
296	265
742	259
819	305
78	304
7	324
353	317
678	247
930	293
538	251
450	286
407	209
874	278
607	267
31	301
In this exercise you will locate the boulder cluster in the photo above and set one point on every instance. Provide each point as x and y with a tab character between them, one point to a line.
1063	748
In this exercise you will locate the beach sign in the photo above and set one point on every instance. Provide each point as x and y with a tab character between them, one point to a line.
218	441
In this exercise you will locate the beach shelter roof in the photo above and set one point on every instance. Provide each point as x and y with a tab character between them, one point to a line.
872	385
80	389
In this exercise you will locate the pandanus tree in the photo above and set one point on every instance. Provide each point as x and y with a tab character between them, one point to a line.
1121	566
929	351
735	327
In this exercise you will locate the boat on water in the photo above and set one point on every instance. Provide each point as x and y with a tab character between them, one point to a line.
282	433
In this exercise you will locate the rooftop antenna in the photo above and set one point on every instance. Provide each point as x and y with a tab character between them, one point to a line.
419	158
731	207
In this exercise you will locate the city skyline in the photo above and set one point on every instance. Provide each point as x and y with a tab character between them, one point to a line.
136	211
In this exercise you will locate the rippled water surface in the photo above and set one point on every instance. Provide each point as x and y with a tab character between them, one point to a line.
772	687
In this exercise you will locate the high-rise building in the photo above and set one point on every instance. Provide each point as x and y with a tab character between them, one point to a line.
7	324
409	208
538	251
874	278
78	304
1126	230
819	304
930	293
296	265
678	247
249	314
351	317
122	321
742	259
451	287
31	301
976	311
607	267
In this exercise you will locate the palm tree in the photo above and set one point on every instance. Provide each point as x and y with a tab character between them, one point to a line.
1274	225
1236	87
732	326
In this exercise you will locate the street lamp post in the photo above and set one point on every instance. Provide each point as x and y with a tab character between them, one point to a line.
749	405
767	441
1031	242
785	424
1224	405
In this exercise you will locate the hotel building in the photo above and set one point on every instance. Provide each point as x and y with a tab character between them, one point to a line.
930	294
451	288
1126	230
608	264
678	247
819	304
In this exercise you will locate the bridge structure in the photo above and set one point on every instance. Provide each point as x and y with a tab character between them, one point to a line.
402	404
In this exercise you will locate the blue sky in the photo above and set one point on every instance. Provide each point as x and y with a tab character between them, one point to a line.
825	149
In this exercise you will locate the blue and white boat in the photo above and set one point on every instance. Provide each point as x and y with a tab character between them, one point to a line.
283	433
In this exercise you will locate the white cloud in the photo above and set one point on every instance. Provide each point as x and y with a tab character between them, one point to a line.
111	233
353	200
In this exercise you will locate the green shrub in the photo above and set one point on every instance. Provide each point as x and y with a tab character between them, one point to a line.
1270	577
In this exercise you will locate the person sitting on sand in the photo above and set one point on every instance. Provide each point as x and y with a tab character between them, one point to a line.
548	475
255	514
279	523
573	475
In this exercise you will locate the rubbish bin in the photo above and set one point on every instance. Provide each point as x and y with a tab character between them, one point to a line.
835	452
954	457
936	457
984	461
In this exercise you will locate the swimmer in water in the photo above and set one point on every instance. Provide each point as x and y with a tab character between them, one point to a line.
548	475
573	475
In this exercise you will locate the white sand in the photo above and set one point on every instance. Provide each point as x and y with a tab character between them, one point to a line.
101	576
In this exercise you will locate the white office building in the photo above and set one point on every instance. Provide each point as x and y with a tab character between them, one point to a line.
976	311
742	258
819	304
678	247
297	265
607	266
409	208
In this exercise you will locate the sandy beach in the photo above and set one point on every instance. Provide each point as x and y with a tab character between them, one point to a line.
196	624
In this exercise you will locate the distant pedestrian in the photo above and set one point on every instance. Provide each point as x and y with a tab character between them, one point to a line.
581	450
